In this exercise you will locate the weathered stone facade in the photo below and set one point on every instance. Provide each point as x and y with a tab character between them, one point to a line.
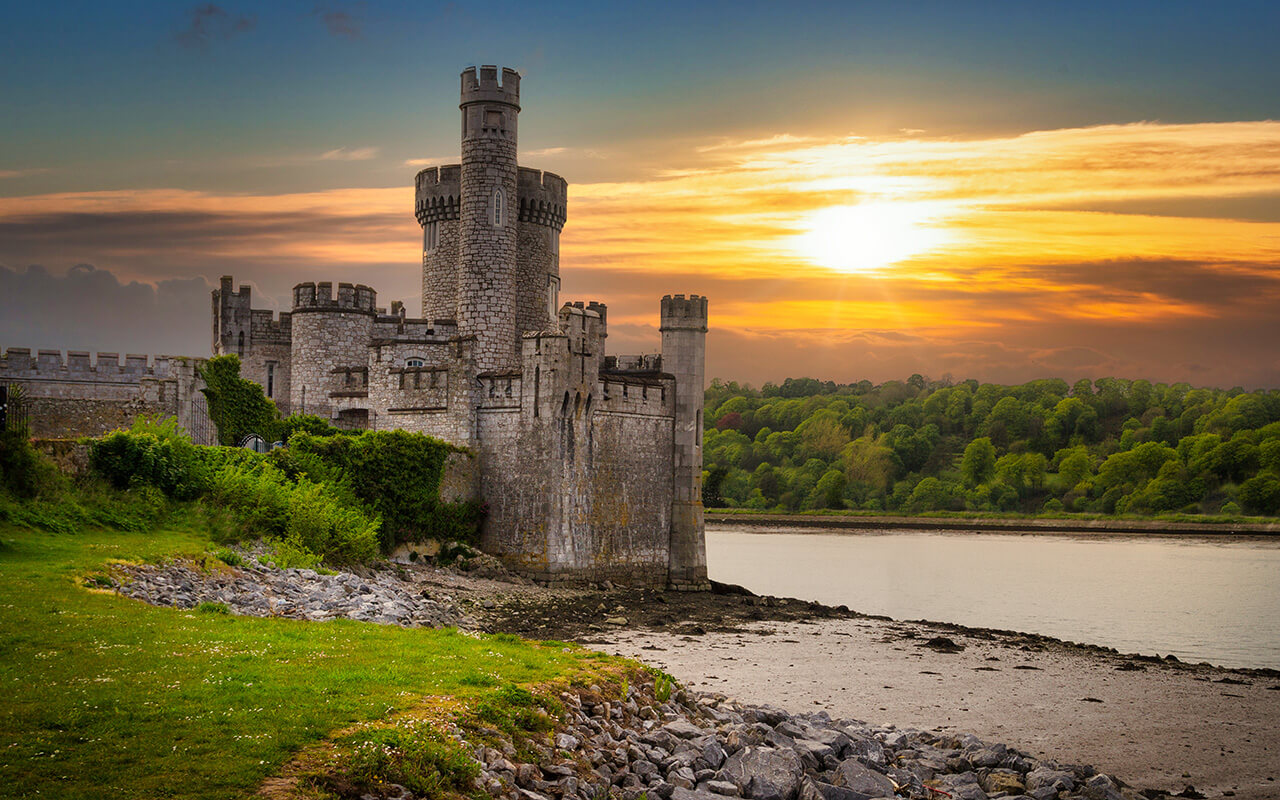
80	396
590	465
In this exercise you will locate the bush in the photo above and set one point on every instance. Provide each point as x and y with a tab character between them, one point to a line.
153	452
24	473
415	756
373	466
237	406
301	515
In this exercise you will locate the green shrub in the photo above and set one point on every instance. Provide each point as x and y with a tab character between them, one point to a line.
237	406
517	711
24	473
305	517
212	608
412	754
229	557
153	452
309	424
396	474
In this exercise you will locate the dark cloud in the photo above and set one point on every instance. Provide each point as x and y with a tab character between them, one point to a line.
90	309
340	22
208	22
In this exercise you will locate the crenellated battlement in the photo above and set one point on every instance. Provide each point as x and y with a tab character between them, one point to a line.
544	197
482	86
684	313
310	296
438	193
17	363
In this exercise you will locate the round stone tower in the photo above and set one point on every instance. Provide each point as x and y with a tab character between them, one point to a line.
487	217
330	350
439	195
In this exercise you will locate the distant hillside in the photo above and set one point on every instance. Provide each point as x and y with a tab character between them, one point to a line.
1109	446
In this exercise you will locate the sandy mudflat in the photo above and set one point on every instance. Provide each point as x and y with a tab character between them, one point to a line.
1154	722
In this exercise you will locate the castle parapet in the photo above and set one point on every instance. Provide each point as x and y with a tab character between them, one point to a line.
319	297
17	363
484	87
544	197
684	313
438	193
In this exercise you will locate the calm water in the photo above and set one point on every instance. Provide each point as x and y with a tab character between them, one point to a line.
1197	598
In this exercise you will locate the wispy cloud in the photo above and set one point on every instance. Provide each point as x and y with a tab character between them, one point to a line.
1069	252
21	173
208	22
429	162
350	154
339	22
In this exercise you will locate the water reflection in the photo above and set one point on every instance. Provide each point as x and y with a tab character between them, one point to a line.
1199	599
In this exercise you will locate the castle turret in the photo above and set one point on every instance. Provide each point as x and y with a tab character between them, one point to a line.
684	335
487	216
330	351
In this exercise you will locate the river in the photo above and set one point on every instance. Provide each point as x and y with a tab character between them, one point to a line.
1197	598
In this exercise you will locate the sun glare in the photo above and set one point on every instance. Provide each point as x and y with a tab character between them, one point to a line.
869	236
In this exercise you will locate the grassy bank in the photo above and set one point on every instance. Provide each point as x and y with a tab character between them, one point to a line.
106	696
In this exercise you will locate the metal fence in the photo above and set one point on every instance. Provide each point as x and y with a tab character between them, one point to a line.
14	408
201	427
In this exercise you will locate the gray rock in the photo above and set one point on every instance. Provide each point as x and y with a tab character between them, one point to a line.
680	793
1046	777
765	774
1101	787
727	788
566	742
683	729
852	774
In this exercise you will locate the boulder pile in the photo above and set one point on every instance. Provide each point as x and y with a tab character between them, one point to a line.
710	747
256	590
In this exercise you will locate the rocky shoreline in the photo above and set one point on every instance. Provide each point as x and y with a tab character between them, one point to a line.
420	595
696	746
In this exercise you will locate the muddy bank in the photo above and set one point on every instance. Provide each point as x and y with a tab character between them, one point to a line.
1163	724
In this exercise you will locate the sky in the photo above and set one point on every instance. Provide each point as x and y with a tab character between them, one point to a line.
1001	191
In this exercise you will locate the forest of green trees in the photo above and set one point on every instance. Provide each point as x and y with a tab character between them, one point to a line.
1109	446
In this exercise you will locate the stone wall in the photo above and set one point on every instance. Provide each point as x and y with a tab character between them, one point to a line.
487	221
77	396
330	352
439	197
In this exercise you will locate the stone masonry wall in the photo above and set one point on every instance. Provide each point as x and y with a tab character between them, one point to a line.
487	245
325	341
78	397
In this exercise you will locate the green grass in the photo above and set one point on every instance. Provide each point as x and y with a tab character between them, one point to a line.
106	696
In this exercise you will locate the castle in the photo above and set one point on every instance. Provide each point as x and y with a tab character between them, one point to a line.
591	465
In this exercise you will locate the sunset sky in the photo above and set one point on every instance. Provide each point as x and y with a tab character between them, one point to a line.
1001	191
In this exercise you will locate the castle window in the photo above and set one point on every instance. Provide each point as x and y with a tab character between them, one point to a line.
493	120
240	345
431	236
271	379
553	295
555	242
413	362
497	214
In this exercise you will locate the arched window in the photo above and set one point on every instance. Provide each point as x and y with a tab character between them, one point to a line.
413	362
498	201
431	236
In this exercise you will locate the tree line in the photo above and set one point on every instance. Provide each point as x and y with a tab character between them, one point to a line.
1109	446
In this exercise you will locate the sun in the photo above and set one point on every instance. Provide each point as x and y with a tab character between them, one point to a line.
869	236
